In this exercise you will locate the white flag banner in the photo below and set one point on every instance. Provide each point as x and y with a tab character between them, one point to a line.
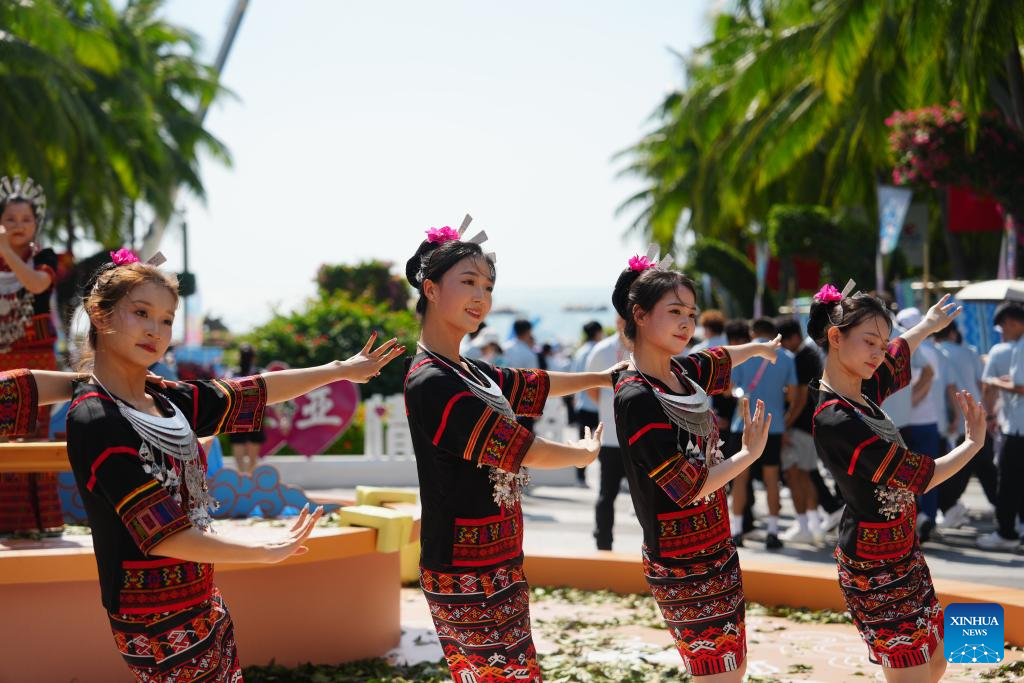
893	203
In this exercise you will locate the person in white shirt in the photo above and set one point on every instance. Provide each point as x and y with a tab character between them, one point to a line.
963	373
613	470
927	417
585	408
1004	380
520	352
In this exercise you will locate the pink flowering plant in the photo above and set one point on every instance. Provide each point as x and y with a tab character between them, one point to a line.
929	148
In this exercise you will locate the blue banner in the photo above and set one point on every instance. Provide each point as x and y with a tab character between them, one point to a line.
893	203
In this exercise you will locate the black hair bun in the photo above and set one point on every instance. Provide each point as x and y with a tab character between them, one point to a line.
620	295
818	320
415	264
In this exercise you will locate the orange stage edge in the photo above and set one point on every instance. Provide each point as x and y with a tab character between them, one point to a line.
339	602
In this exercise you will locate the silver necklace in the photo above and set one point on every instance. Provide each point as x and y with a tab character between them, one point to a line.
883	426
508	487
892	501
174	439
692	414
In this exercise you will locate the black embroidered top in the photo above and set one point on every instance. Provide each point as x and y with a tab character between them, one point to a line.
663	480
129	511
877	478
457	439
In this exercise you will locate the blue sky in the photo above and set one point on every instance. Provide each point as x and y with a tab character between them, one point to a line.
358	125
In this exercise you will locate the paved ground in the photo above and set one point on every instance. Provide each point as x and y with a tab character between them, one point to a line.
561	519
780	649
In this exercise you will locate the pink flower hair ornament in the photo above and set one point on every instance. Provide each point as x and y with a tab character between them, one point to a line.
641	263
828	295
442	235
123	256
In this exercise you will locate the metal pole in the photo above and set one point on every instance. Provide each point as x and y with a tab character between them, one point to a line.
184	245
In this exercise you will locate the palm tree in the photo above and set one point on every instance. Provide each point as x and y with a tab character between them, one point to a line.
788	101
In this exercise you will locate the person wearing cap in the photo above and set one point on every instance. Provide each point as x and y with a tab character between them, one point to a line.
927	416
1003	378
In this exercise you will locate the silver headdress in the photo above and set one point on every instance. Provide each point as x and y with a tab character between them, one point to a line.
28	191
478	238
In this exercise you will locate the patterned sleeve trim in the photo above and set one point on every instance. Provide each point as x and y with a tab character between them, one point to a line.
247	399
897	366
913	472
720	369
497	441
150	515
529	392
19	403
680	479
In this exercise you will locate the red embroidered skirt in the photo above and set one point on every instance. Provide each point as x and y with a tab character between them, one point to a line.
894	607
31	502
483	623
701	600
191	645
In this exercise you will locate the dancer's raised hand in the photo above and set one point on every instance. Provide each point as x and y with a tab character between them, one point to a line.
755	429
941	314
292	543
769	349
590	445
366	364
974	418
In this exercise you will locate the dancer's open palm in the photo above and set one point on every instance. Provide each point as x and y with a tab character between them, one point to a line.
292	542
590	445
974	417
366	364
942	313
755	429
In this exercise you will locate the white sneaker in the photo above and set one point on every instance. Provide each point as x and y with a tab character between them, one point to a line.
994	541
954	517
830	520
795	534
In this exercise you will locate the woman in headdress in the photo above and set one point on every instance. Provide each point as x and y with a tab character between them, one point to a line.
471	455
669	434
141	473
29	503
882	573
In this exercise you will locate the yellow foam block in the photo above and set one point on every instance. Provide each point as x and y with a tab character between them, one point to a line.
378	495
409	560
393	526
